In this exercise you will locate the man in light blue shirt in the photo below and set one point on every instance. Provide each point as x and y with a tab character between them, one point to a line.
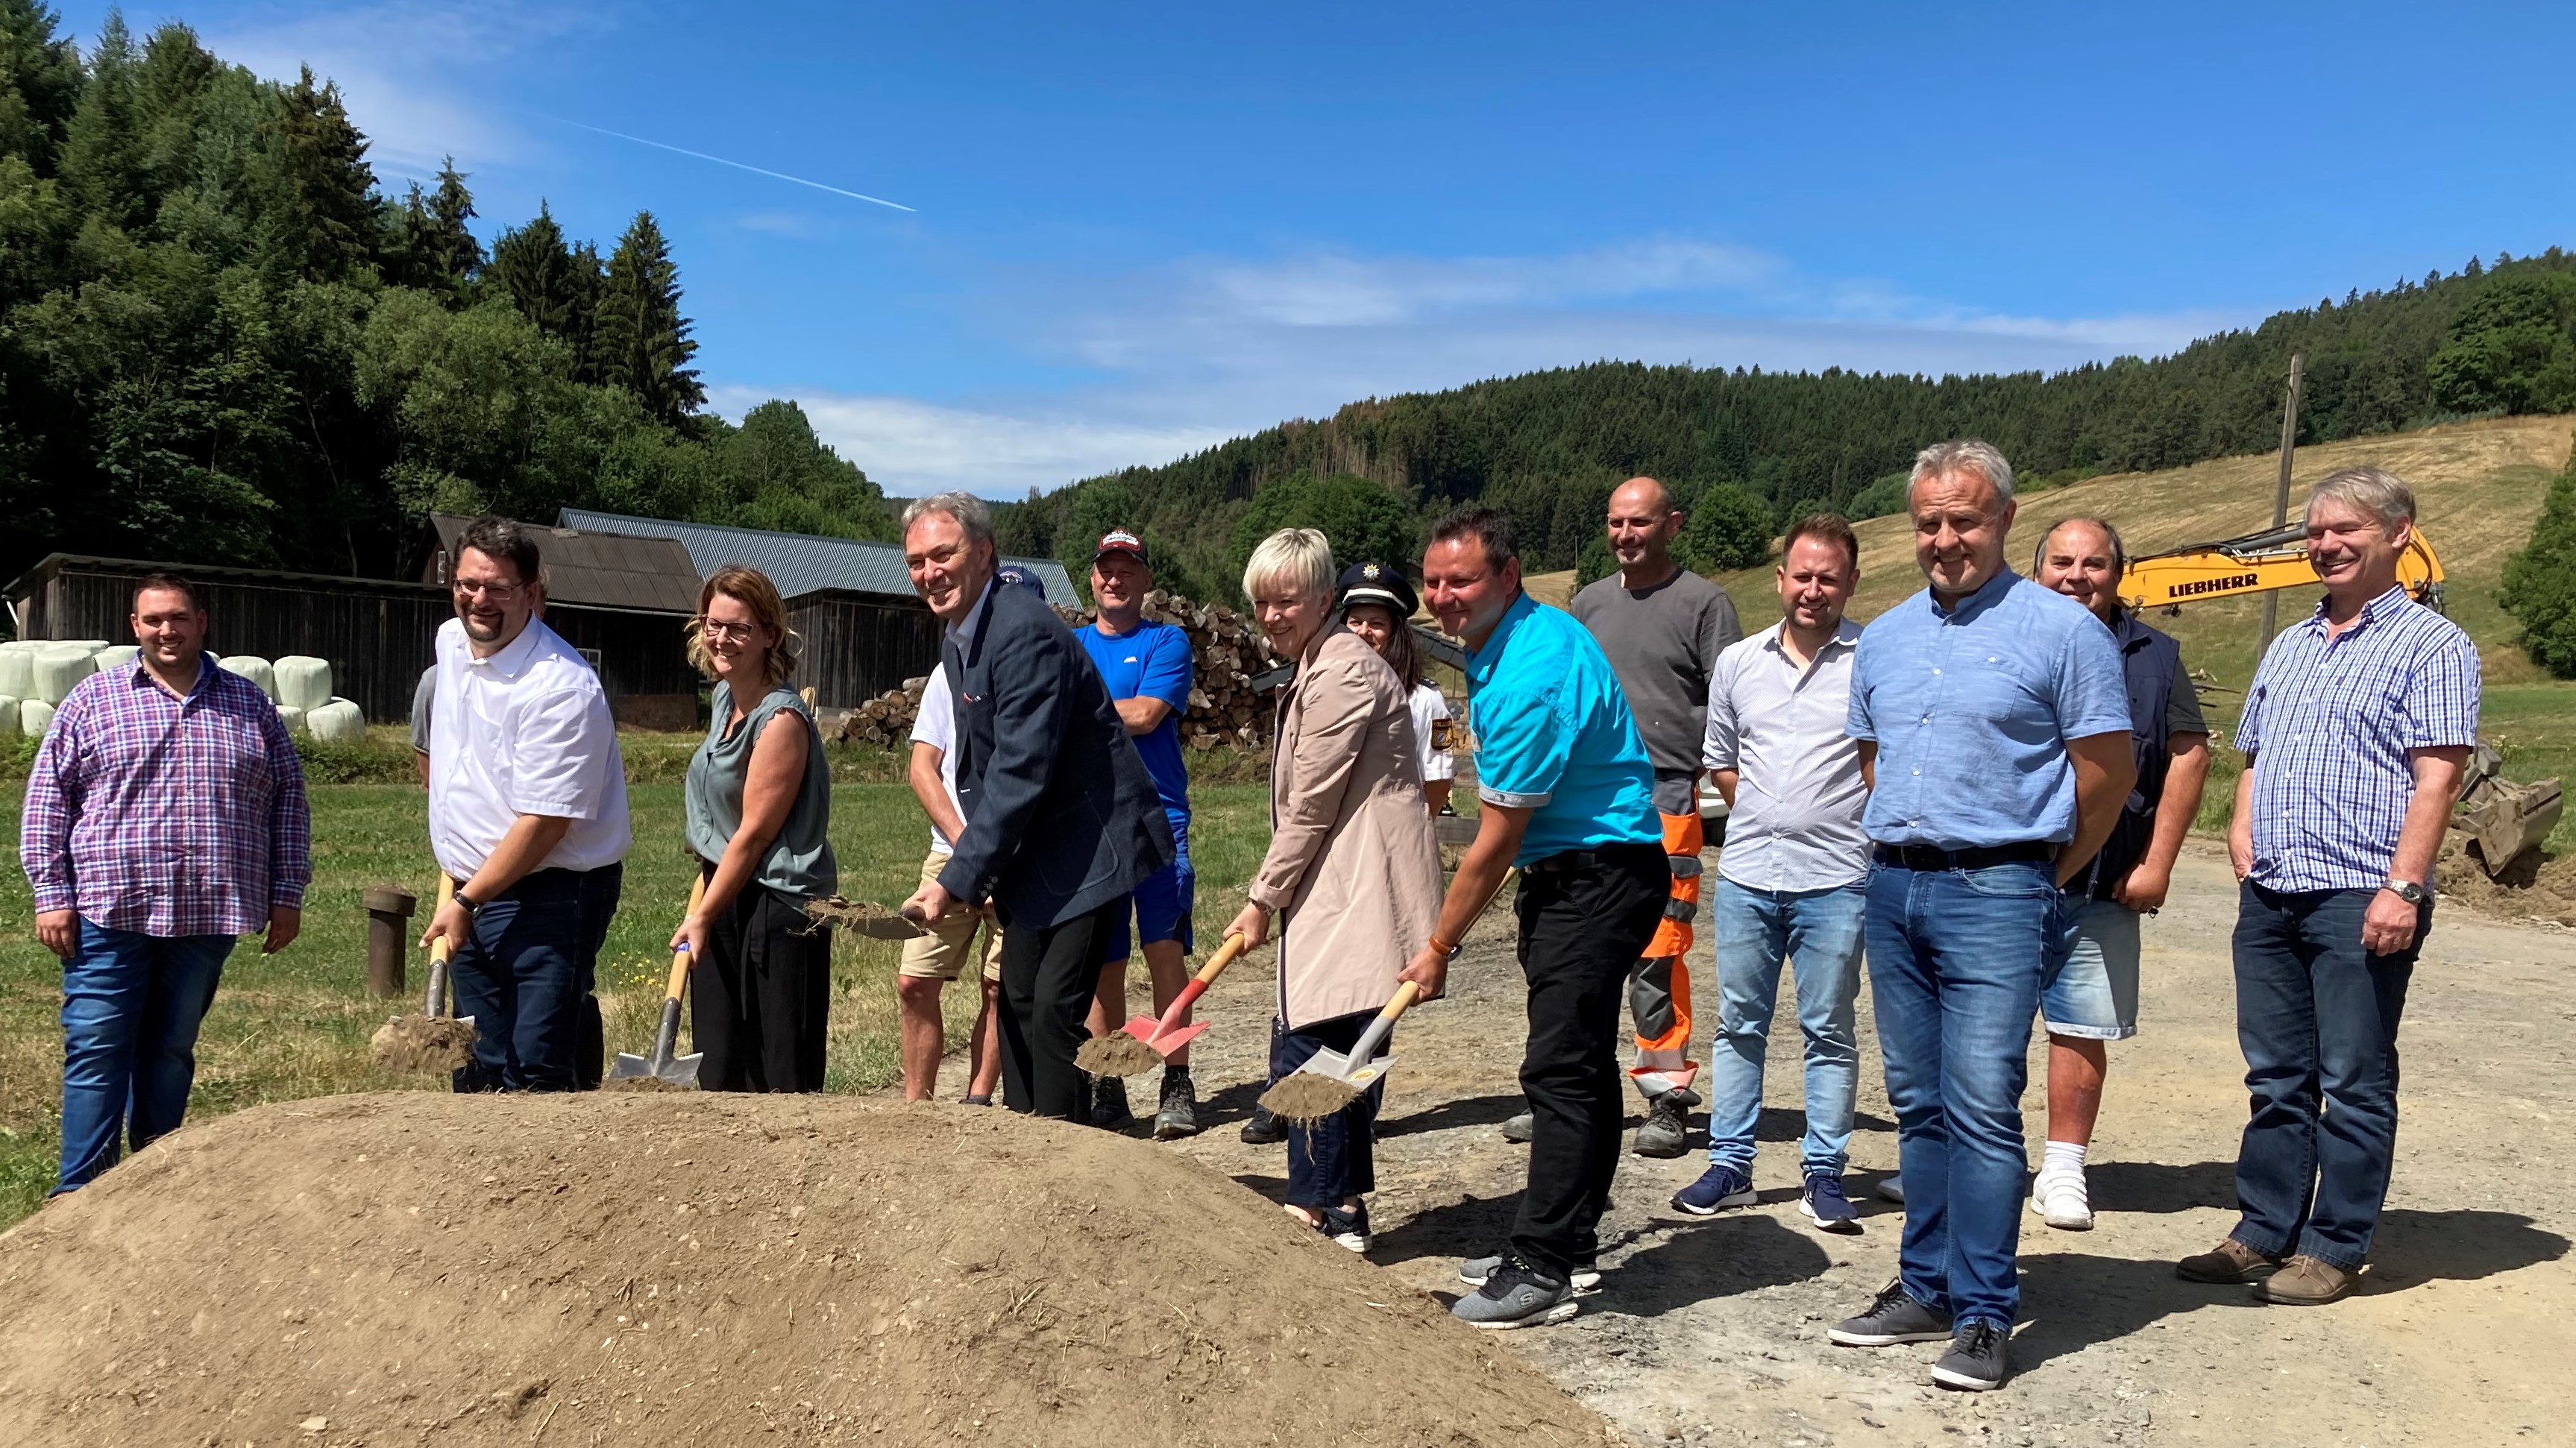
2001	719
1565	793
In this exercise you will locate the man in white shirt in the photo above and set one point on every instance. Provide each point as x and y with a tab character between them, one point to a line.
527	812
1791	878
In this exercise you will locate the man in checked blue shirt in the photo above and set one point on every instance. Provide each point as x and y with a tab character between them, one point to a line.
2355	731
2001	718
1564	792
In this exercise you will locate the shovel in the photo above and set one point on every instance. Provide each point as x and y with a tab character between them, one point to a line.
679	1073
1147	1041
1331	1080
431	1041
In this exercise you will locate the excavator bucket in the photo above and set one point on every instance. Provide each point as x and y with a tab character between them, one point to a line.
2502	819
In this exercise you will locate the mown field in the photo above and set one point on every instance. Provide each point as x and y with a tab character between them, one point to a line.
296	1024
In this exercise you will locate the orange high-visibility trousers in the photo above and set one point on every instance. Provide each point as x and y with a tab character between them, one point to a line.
1659	988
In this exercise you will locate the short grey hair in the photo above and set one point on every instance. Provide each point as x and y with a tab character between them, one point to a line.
1302	557
966	508
1963	455
2119	550
2381	494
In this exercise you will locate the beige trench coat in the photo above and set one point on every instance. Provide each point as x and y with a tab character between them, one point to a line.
1353	865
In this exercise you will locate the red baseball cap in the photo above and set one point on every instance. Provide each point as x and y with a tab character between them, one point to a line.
1119	540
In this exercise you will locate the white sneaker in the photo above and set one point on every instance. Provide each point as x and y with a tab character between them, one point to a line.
2061	1200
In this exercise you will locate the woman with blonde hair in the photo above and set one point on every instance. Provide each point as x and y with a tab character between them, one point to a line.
759	801
1353	871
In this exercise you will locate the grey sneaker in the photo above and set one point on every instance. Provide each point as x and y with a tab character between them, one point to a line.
1516	1295
1178	1115
1893	1317
1667	1129
1474	1271
1520	1128
1109	1109
1975	1362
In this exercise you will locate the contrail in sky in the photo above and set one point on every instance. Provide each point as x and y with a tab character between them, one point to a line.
737	165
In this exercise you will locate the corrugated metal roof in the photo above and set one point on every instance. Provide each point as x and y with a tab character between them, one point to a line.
607	568
799	563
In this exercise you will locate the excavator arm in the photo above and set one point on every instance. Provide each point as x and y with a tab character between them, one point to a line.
2257	563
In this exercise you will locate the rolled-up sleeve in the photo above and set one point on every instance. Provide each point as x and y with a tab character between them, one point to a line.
1721	748
561	755
1522	746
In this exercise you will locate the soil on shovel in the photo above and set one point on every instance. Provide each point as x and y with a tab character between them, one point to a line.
416	1267
409	1044
1116	1054
1306	1097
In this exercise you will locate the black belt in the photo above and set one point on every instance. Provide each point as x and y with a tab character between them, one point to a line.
1927	857
1565	860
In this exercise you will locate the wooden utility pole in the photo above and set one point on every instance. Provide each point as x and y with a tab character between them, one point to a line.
2281	492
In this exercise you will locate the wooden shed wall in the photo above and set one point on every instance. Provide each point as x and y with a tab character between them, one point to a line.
858	646
377	637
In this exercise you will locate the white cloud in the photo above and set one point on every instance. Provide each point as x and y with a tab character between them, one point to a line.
911	447
406	72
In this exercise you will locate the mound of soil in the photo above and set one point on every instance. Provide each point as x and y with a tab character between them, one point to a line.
419	1268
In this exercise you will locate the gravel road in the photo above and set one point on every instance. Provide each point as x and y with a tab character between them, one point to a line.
1711	1331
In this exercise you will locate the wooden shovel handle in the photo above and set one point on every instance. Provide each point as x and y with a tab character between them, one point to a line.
680	957
441	948
1402	1001
1217	963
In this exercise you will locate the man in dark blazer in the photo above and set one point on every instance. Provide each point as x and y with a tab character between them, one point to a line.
1061	818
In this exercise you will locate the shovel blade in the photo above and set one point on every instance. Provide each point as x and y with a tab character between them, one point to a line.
629	1066
1340	1067
1142	1028
683	1071
1175	1038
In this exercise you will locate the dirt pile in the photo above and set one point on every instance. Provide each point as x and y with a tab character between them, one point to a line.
420	1268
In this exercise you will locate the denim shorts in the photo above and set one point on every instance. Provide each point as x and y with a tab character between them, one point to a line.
1163	901
2089	989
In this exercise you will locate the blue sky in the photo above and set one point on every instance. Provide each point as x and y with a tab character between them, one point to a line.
1141	229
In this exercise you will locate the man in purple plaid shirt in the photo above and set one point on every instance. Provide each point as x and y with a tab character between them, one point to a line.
165	817
2354	732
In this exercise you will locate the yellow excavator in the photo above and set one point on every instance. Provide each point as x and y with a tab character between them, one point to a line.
2256	563
2496	821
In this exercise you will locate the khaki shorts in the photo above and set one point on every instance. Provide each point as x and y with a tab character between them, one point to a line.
942	954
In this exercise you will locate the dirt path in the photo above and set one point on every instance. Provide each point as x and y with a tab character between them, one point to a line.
1712	1331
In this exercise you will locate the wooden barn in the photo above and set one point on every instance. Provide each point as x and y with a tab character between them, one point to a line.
851	601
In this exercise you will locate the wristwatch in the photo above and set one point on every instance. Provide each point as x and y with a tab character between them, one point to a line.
471	904
2406	890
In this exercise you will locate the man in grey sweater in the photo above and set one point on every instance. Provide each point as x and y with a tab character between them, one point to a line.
1663	627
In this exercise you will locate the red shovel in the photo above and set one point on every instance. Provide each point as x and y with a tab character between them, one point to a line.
1145	1042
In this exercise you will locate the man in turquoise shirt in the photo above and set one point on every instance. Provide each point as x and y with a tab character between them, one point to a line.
1566	793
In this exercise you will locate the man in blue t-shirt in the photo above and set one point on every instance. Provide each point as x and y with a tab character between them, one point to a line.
1148	669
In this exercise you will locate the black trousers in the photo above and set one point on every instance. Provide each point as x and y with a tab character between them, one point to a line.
761	999
1582	930
1336	1158
1048	975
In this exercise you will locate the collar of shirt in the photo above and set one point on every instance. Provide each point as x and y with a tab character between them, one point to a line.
510	659
1846	636
1480	662
2370	612
1988	594
974	611
2130	633
139	677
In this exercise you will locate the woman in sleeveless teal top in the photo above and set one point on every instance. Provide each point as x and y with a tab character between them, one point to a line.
758	806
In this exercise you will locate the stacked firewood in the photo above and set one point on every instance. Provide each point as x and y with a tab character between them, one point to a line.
1224	709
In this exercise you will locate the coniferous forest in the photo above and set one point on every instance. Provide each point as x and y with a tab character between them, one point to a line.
223	339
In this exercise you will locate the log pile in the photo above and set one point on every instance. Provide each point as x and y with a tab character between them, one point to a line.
1224	709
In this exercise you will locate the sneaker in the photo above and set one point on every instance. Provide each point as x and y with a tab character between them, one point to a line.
1892	1318
1718	1188
1667	1129
2061	1199
1521	1128
1263	1129
1822	1202
1474	1270
2306	1281
1516	1294
1347	1228
1178	1115
1975	1361
971	1099
2230	1261
1109	1109
1891	1189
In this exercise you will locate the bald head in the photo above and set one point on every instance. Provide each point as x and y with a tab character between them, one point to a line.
2082	558
1642	528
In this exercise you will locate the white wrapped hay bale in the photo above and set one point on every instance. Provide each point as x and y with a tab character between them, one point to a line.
302	681
9	717
58	669
255	669
116	658
17	669
87	646
337	722
291	717
34	716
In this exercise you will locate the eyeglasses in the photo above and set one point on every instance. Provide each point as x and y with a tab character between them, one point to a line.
714	630
496	591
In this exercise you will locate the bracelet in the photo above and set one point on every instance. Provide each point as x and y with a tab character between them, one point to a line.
1447	951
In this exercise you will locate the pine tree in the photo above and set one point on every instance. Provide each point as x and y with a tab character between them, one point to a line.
589	278
101	162
40	83
333	188
433	248
534	269
640	338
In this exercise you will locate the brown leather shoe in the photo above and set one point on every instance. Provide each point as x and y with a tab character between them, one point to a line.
2307	1282
2230	1261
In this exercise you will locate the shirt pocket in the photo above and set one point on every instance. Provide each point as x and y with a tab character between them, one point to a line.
1996	688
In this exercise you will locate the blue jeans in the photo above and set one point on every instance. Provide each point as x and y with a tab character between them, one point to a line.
1954	967
131	1007
1753	931
525	974
1335	1159
2317	1017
